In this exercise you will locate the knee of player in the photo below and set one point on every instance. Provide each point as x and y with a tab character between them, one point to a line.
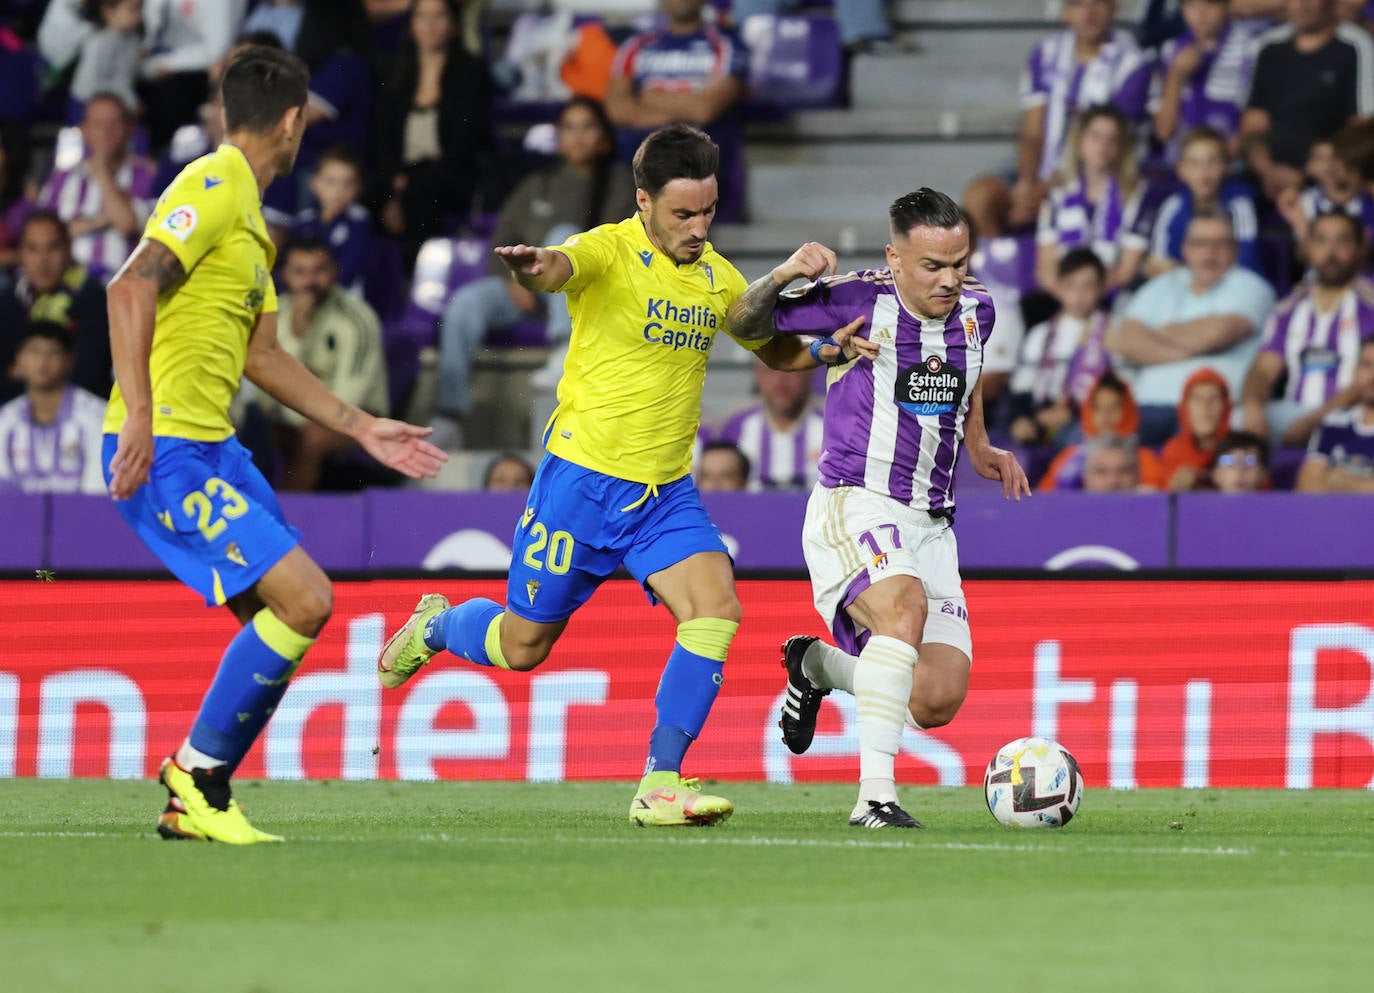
311	610
729	609
935	710
523	658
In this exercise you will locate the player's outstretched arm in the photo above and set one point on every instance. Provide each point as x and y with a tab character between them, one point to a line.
989	461
131	299
543	270
751	315
394	444
791	353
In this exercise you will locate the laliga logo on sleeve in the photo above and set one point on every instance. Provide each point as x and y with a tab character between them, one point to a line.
934	387
181	222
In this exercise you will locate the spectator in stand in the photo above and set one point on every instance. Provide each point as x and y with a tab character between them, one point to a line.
1312	340
1340	458
1240	464
1336	187
50	287
184	39
1204	413
863	24
584	188
15	204
1096	202
106	197
191	141
109	58
50	437
1202	164
1109	412
338	338
1310	79
1087	64
62	32
1063	357
433	130
1207	314
781	436
1202	79
340	221
692	71
334	43
282	18
507	472
722	466
1112	465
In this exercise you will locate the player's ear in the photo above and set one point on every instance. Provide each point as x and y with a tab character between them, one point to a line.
892	260
642	200
293	121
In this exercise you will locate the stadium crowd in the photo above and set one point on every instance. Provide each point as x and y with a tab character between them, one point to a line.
1177	252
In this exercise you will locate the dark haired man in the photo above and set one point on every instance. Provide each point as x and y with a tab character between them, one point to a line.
722	466
877	538
1312	339
50	286
201	277
647	297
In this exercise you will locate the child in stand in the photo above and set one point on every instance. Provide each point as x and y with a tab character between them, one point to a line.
1062	358
340	222
1204	416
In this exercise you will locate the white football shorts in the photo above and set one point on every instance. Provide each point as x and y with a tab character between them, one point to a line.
854	538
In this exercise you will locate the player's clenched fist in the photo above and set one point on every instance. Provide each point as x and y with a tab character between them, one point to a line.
808	262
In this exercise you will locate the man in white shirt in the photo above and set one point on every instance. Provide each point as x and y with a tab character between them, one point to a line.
1207	313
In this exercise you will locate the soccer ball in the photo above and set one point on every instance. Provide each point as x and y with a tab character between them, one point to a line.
1032	783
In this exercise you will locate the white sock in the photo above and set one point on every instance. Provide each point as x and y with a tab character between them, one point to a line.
828	667
190	758
882	691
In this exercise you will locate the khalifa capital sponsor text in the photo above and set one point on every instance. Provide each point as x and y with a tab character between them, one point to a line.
695	328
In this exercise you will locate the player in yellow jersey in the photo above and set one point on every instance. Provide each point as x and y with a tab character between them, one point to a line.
191	312
647	297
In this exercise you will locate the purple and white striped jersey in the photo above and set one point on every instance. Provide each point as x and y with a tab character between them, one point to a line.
61	457
893	425
1119	73
1313	203
781	459
74	193
1320	349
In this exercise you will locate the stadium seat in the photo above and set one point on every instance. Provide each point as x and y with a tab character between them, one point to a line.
794	62
442	266
1284	463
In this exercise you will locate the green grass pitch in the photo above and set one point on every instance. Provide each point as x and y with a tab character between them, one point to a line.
398	888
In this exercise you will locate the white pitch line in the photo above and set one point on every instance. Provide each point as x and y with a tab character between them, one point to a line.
766	842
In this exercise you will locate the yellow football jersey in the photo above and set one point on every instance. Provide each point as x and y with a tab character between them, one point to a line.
629	402
211	219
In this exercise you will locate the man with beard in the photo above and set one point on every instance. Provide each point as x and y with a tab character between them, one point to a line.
1313	337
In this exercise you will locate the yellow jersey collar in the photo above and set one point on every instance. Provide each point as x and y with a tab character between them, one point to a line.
234	161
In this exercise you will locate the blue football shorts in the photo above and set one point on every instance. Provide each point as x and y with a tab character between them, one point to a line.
579	526
208	514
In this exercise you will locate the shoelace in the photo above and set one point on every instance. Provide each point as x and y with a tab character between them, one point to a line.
692	784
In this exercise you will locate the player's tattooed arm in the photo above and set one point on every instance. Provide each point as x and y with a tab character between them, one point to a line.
155	262
751	315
